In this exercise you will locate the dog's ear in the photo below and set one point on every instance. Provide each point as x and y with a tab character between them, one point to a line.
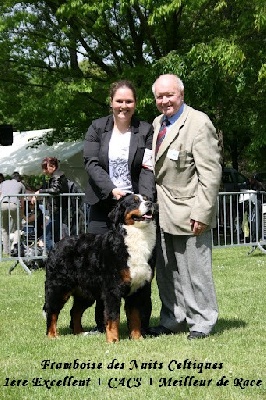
116	216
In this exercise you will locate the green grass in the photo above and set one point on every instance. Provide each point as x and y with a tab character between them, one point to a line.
236	350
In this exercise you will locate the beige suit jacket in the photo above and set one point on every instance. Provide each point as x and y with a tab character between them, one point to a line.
187	172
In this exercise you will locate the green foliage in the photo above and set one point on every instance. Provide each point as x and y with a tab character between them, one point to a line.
59	58
262	73
33	182
260	14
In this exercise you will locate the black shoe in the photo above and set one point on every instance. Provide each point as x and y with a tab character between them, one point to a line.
162	330
158	330
197	335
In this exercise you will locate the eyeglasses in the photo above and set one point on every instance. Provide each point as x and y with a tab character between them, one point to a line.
167	96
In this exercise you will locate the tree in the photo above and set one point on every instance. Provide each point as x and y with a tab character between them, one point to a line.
223	66
60	56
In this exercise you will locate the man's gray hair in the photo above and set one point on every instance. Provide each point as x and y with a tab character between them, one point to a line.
179	83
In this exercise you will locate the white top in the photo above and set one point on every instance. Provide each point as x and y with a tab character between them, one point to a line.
118	160
11	186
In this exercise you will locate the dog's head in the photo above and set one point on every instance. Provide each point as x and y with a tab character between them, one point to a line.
132	209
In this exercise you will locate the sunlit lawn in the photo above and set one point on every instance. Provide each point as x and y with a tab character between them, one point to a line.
167	367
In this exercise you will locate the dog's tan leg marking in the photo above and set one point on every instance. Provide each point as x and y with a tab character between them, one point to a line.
112	331
134	324
125	275
52	333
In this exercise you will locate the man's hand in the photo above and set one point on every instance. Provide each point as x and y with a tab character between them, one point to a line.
197	227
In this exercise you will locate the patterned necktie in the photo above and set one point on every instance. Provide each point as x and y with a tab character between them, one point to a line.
161	134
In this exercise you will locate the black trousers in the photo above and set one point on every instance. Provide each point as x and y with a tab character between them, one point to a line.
98	216
99	224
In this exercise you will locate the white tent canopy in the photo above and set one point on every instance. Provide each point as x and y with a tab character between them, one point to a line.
27	161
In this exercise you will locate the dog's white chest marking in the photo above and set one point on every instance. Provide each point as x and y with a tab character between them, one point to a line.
140	243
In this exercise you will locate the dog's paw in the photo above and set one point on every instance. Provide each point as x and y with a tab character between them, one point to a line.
52	336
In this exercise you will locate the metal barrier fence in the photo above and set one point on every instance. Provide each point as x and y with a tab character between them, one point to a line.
241	221
25	240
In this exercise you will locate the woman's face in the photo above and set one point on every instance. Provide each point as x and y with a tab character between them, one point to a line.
123	104
49	170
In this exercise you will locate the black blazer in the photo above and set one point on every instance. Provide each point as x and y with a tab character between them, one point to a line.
96	148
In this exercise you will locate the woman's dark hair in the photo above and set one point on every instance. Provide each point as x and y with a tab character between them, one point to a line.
122	84
51	161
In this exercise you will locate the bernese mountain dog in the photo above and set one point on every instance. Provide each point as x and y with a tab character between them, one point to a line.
115	265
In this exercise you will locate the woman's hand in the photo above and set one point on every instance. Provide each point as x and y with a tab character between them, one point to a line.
33	199
118	193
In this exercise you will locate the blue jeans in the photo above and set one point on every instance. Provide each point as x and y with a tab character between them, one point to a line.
53	231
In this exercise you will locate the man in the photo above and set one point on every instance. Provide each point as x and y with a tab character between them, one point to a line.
188	173
12	210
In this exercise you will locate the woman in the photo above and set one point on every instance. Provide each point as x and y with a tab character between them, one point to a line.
117	157
56	184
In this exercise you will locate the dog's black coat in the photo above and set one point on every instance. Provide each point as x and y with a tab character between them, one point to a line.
90	266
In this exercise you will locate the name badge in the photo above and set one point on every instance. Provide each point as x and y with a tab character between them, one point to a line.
173	154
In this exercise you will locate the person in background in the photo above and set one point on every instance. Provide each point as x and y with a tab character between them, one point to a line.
117	157
12	210
35	217
56	205
2	178
188	174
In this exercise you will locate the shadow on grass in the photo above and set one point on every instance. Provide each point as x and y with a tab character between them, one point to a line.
123	331
222	325
258	254
227	324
